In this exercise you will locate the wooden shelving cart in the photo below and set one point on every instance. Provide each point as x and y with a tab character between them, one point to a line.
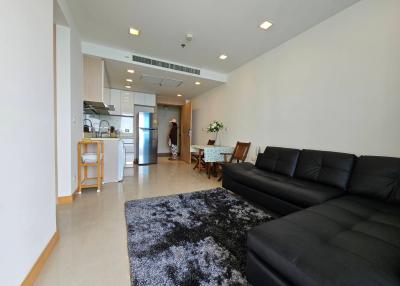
87	159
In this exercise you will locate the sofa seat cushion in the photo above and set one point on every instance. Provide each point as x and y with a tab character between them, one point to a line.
244	170
345	241
329	168
299	192
377	177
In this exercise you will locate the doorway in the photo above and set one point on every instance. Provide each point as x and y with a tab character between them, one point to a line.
186	132
164	114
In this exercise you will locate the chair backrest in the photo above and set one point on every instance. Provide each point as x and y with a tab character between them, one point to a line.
240	152
211	142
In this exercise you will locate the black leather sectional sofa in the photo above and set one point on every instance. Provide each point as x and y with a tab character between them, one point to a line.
340	217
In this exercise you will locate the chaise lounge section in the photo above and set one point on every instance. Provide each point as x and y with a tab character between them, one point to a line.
343	222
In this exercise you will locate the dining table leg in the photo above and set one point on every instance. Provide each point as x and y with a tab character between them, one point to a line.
215	170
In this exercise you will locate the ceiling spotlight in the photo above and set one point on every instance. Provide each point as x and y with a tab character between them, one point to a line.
197	83
129	80
266	25
134	32
127	86
131	71
179	95
223	57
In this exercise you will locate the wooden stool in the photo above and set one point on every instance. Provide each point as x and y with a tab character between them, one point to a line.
86	160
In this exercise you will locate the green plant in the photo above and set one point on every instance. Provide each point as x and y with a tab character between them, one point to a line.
215	126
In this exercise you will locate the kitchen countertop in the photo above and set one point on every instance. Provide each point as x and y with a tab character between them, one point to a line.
104	139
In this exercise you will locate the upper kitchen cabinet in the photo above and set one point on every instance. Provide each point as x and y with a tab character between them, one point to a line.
93	69
127	103
107	96
124	101
115	100
145	99
150	99
139	98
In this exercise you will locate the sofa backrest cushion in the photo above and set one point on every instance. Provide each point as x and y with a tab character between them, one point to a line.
279	160
377	177
330	168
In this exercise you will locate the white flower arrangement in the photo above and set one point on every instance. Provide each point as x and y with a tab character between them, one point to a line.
215	126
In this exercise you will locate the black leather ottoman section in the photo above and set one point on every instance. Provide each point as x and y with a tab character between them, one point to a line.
298	192
272	204
258	273
377	177
346	241
329	168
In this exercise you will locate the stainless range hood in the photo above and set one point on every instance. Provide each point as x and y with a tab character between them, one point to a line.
99	108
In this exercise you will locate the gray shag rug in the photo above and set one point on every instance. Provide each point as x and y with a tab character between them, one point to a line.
190	239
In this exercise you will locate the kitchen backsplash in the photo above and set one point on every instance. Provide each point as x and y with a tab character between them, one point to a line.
123	124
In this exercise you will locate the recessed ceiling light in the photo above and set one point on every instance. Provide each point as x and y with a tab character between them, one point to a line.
223	57
134	32
266	25
129	80
127	86
131	71
197	83
179	95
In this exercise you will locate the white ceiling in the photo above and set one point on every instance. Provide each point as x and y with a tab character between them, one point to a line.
218	26
116	72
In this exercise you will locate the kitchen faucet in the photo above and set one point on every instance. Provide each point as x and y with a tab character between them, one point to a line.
91	124
108	123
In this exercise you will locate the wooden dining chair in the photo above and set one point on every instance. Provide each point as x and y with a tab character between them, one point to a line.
238	155
198	157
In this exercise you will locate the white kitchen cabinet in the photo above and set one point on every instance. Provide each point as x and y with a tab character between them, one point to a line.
150	99
145	99
107	96
93	71
139	98
115	99
127	103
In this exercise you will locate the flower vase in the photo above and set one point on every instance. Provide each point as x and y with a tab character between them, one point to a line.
216	139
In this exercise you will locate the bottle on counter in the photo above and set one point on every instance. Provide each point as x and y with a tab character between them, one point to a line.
113	132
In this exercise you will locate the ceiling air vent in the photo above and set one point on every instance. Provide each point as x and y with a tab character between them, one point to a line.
166	82
166	65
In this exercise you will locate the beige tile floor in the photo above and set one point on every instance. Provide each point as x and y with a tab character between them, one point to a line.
92	249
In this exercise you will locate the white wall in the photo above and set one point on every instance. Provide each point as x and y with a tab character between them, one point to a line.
63	91
27	166
70	98
76	102
334	87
